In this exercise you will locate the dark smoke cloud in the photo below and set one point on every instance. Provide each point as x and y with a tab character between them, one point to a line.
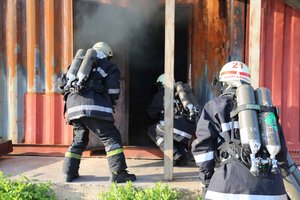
113	24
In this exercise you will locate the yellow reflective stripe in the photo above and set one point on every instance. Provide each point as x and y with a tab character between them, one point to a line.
114	152
73	155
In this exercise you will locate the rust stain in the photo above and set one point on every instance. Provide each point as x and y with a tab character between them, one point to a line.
31	44
58	38
67	33
49	44
217	38
11	39
34	45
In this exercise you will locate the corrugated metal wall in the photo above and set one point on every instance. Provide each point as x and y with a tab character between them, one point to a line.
280	64
36	43
218	36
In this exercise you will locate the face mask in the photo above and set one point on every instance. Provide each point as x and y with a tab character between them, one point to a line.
100	55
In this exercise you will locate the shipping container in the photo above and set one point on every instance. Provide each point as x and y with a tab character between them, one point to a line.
38	39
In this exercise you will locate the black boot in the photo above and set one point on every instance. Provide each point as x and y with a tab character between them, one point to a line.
71	177
181	162
71	168
122	177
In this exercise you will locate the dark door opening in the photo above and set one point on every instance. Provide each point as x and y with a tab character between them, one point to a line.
146	63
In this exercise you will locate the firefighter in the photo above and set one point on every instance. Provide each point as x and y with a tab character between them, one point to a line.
223	163
183	127
89	106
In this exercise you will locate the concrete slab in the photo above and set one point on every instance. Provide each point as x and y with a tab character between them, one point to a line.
94	175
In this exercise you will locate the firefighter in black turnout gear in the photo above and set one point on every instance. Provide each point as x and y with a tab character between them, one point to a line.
224	152
184	126
90	91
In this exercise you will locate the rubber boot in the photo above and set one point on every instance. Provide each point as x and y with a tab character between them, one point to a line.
122	177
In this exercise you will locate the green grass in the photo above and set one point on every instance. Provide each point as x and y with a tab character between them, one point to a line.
128	192
24	189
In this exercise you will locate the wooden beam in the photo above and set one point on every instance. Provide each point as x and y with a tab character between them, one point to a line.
169	88
254	41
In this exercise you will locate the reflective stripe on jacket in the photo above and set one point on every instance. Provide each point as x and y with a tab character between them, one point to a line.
183	128
231	180
96	103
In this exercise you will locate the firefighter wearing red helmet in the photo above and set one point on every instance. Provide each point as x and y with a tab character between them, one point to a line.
224	158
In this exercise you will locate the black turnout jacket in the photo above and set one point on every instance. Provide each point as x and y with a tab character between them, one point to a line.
183	128
229	180
97	100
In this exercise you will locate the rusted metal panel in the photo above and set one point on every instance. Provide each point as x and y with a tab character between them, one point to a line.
37	46
3	69
47	126
218	31
12	69
31	44
49	45
281	64
67	17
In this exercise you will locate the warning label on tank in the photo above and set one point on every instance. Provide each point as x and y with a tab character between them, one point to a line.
271	121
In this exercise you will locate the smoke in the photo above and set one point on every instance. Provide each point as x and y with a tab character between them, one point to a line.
112	24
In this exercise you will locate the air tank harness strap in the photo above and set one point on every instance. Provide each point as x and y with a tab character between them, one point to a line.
286	169
259	108
229	152
93	83
230	149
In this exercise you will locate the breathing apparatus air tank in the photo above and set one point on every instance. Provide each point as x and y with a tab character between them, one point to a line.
184	98
86	66
71	74
248	123
268	126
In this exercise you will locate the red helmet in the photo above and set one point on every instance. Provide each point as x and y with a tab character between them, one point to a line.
235	73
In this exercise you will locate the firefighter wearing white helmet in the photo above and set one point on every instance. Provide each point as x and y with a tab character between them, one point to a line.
183	127
224	163
103	50
91	108
161	80
235	73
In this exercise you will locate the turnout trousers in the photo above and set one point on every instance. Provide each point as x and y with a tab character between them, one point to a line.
179	146
109	135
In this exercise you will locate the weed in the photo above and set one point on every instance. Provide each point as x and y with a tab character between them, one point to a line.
128	192
24	189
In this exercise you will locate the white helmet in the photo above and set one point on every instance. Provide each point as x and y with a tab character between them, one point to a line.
161	80
235	73
105	48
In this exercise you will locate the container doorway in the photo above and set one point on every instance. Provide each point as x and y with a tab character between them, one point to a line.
146	63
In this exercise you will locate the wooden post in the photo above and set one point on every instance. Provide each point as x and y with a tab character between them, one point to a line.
169	88
254	41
